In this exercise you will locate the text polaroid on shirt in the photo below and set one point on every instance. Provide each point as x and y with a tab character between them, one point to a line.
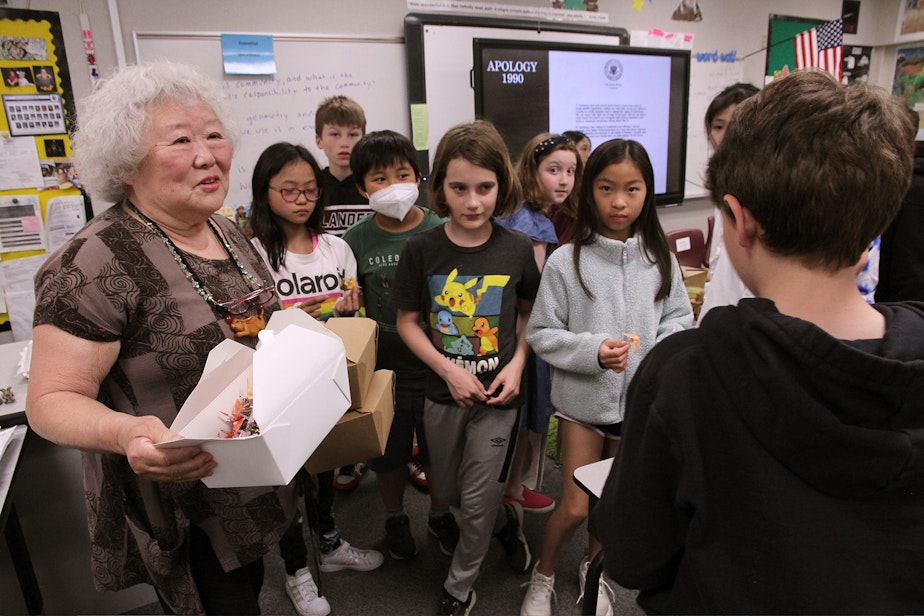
300	389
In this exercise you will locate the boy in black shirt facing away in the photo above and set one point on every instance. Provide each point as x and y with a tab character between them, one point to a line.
773	459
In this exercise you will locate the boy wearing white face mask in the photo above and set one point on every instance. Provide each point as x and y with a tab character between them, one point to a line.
384	164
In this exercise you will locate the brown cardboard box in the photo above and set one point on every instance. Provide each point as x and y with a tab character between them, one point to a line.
694	279
360	434
360	338
694	276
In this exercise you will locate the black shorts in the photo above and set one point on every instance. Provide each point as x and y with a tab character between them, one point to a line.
604	430
409	403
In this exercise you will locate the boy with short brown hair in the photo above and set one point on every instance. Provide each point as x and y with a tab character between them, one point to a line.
339	123
773	459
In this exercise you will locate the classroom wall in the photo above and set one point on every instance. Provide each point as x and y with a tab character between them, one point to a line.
52	514
739	25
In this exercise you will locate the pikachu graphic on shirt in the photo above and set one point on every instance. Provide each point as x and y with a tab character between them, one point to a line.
464	317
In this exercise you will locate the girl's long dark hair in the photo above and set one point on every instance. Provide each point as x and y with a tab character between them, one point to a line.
262	219
646	226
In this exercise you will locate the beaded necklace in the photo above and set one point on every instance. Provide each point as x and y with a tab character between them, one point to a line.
197	284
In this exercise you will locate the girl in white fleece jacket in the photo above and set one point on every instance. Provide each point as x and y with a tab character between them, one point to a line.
604	301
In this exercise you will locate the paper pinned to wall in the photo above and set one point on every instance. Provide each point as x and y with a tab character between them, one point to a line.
17	276
21	224
508	11
248	54
656	37
420	126
64	216
19	164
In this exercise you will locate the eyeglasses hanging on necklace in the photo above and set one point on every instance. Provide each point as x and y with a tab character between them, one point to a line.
235	309
252	301
231	310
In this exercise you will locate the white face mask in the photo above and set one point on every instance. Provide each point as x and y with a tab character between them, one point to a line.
394	201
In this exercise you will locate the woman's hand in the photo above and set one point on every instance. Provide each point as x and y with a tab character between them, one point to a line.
138	438
62	407
613	355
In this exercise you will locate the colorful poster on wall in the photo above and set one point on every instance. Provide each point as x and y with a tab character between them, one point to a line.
576	5
35	125
908	84
910	25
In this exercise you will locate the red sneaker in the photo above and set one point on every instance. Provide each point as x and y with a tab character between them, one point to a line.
416	475
349	477
533	502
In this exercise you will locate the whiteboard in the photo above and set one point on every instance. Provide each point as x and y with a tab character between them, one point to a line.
446	50
281	107
706	80
448	59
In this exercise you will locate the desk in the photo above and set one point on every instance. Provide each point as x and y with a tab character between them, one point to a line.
591	478
9	522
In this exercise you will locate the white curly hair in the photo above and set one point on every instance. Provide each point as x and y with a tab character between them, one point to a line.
109	143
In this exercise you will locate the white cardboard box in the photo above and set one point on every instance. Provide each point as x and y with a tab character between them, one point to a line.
300	391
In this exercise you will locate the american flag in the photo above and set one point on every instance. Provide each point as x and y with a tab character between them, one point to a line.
821	47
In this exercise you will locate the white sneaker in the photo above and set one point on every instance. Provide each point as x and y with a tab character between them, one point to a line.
539	594
348	557
304	594
604	592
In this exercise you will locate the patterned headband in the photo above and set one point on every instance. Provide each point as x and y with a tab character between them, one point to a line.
548	144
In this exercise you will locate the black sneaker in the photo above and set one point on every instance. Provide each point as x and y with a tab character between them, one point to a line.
398	537
450	606
514	541
445	529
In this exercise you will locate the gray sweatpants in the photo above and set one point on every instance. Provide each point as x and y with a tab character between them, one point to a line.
470	451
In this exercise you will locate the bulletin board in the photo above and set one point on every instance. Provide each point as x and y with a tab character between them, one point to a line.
281	107
41	203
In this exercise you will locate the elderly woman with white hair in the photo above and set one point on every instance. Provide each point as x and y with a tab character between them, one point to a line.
126	314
